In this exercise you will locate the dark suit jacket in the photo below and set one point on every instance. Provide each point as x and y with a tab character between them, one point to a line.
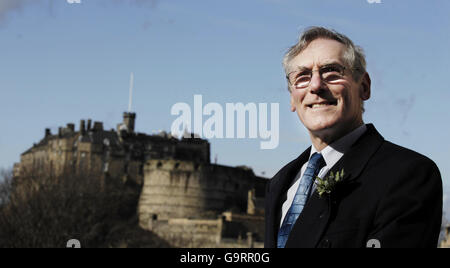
388	193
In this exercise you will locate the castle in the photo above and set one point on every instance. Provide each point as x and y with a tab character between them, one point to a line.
185	199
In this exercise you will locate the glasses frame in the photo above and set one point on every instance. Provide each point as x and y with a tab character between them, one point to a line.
341	73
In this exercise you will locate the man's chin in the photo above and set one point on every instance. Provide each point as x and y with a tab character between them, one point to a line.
321	131
322	125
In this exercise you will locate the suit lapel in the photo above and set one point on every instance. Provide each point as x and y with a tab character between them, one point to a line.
279	186
354	161
312	222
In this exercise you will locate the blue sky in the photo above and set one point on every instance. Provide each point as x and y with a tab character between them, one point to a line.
64	62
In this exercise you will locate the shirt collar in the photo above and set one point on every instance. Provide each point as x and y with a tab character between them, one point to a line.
333	152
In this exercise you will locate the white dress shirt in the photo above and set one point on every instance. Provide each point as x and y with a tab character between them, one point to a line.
331	154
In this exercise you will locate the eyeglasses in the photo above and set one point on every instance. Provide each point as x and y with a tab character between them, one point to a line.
330	74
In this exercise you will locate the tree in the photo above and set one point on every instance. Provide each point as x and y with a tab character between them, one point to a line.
49	211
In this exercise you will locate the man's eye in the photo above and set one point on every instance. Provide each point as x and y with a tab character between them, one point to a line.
330	69
331	73
303	78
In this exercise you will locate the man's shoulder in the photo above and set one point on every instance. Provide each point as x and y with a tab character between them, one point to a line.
396	165
393	152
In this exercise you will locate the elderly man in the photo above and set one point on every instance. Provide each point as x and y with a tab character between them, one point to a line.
351	188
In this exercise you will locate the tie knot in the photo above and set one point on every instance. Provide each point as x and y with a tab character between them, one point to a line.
316	161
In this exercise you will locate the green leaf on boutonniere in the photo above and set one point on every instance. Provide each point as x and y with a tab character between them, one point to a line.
327	184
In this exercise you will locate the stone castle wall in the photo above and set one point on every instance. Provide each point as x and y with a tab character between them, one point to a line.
184	198
202	205
205	233
182	189
188	233
68	155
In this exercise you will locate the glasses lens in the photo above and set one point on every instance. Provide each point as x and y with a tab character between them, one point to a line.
300	79
332	73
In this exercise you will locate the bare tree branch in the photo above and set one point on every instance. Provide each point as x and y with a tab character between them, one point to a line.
49	211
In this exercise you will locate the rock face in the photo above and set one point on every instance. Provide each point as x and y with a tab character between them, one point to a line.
185	198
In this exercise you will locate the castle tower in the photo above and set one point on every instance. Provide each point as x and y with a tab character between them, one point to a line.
129	120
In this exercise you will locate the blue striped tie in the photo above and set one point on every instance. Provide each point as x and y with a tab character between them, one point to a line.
316	162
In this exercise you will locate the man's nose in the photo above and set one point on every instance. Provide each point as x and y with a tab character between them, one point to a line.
316	83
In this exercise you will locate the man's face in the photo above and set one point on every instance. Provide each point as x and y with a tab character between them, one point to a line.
328	108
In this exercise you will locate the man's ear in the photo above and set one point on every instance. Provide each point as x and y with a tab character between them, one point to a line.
365	87
293	109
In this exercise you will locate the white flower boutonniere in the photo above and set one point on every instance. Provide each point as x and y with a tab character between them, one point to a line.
327	184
